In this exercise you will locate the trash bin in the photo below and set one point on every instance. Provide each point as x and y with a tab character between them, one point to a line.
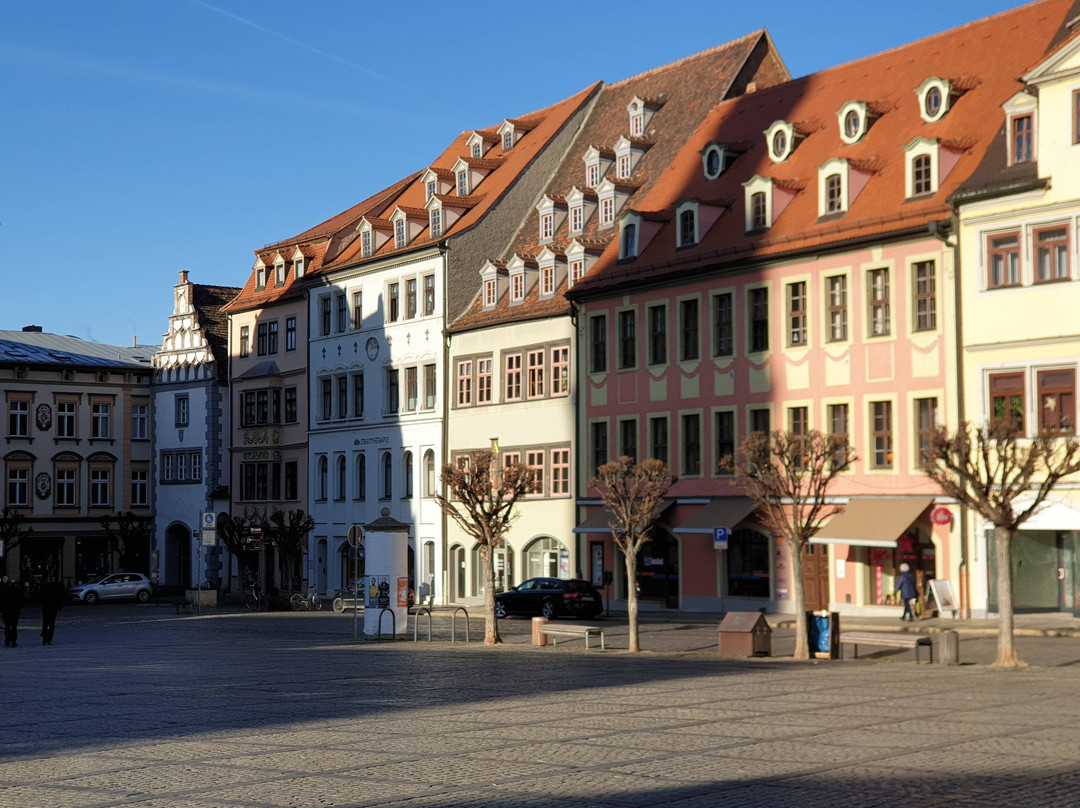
823	634
745	634
537	637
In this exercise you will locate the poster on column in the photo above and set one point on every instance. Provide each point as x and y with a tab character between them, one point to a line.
379	592
403	592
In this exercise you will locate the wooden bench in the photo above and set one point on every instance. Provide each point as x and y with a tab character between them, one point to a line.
887	639
572	630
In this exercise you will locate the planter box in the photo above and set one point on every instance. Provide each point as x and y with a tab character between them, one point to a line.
201	597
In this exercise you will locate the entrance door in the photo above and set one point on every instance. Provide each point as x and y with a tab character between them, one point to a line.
1042	568
457	573
815	564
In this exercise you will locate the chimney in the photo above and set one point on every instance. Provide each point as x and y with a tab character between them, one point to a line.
183	276
35	328
751	87
135	341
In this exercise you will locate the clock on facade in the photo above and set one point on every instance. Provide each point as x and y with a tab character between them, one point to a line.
372	348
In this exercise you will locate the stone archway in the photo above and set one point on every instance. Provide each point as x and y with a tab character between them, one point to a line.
176	556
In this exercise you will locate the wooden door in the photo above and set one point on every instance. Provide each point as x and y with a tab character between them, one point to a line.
815	563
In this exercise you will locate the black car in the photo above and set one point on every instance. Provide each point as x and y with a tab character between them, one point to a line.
550	597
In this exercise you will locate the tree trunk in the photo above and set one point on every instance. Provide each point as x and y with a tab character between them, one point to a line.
1006	655
631	599
487	572
798	594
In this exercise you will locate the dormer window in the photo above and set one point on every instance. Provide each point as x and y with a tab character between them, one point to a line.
935	97
927	165
577	270
435	222
1020	115
577	218
546	226
628	247
517	287
592	174
921	177
833	194
463	183
508	140
260	277
838	184
607	210
431	190
611	199
596	165
401	237
759	207
551	213
637	123
641	112
279	271
578	260
365	243
855	118
686	219
479	142
477	149
764	202
298	264
490	293
622	166
549	273
716	159
781	138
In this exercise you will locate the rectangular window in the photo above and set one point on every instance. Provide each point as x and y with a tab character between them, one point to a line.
326	399
880	325
881	418
412	389
536	374
66	487
410	298
342	314
922	181
607	211
357	395
1022	145
1057	400
436	222
560	371
365	244
592	175
691	445
1003	258
622	166
838	427
577	271
927	414
723	326
797	314
272	337
759	319
342	396
838	308
513	377
429	387
560	471
401	236
547	226
260	340
689	348
292	475
658	438
657	335
138	421
599	344
599	445
19	419
725	437
547	281
760	421
627	339
925	296
100	421
517	286
483	381
100	487
464	383
628	439
429	295
357	309
291	406
535	461
393	394
245	340
18	494
324	315
196	466
798	420
290	334
576	219
759	219
490	293
1051	254
181	409
395	302
65	419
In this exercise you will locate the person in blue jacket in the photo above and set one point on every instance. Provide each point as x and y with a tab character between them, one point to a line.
908	590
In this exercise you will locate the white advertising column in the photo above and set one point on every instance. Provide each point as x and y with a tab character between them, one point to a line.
386	562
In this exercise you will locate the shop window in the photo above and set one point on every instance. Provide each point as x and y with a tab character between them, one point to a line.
748	565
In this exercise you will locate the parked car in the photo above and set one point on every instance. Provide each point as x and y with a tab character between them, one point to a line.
117	586
550	597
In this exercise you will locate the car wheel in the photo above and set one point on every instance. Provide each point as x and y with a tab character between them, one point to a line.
548	609
142	596
339	605
500	610
91	598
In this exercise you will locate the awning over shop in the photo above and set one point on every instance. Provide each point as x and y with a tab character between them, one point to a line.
720	512
600	521
872	521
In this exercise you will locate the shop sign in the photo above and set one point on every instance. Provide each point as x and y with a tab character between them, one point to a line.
941	516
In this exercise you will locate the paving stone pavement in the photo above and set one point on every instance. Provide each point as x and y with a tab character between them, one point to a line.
133	706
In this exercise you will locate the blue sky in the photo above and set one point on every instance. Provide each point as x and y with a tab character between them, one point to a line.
143	137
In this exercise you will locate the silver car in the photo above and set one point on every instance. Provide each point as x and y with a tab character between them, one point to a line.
117	586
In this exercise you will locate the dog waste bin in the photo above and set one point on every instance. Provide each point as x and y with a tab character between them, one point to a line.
823	630
745	634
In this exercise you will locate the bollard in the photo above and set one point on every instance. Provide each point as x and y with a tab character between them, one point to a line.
537	637
949	648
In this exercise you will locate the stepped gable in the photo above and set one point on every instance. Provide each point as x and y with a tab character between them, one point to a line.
982	60
678	96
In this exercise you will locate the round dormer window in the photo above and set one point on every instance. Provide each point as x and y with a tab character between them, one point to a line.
713	163
851	124
932	102
779	144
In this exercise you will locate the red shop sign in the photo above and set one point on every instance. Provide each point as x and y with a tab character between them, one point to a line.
941	516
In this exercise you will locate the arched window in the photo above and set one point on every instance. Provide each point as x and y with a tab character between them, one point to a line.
758	211
429	473
341	477
388	476
629	235
323	466
542	558
361	476
920	175
834	197
687	228
407	468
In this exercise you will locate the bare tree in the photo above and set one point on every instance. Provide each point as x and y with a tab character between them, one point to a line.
787	475
126	531
12	531
233	531
481	499
633	494
288	532
1004	477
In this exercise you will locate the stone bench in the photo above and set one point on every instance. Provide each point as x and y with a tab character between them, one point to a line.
887	639
572	630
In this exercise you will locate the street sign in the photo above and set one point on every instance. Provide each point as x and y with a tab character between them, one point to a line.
209	537
356	535
208	520
720	536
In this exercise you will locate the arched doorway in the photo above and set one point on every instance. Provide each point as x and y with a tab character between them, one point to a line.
658	570
176	559
543	557
457	573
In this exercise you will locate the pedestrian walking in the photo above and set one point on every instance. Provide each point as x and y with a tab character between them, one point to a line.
12	601
909	592
52	601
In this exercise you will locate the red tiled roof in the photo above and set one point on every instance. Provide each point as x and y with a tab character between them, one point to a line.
987	55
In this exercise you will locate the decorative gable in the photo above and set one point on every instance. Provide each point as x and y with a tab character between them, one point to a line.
641	111
493	283
628	154
580	205
523	272
552	270
479	143
597	163
551	214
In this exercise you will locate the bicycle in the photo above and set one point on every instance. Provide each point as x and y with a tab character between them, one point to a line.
307	602
254	599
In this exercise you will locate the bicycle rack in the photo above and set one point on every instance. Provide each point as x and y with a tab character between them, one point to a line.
453	624
416	622
393	623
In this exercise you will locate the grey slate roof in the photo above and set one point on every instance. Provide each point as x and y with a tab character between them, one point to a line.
38	348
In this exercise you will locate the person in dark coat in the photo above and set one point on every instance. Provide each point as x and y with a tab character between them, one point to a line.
909	592
52	601
12	601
